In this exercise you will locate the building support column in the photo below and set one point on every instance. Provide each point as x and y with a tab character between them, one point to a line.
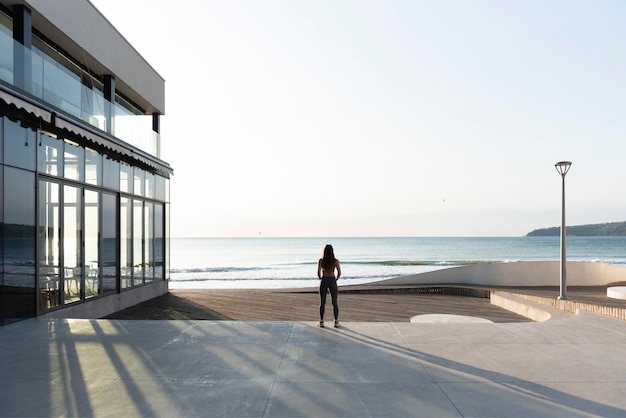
109	102
156	128
23	35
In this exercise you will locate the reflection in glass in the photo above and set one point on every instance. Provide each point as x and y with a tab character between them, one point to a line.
138	261
19	245
167	241
159	248
19	145
139	177
56	80
92	106
72	235
149	241
126	243
93	167
6	49
150	184
111	173
59	81
159	187
126	178
108	255
92	257
49	260
74	161
50	155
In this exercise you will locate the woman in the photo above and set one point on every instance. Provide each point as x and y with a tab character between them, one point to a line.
326	267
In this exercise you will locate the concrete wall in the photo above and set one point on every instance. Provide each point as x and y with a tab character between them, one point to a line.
522	273
97	308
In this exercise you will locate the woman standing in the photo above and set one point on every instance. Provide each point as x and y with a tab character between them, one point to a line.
326	267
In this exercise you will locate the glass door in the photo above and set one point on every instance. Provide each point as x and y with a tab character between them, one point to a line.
49	240
72	244
92	247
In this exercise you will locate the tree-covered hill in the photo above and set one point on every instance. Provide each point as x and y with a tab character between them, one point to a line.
612	229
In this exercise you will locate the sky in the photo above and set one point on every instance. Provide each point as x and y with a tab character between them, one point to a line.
386	117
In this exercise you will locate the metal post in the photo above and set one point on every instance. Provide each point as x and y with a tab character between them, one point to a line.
563	167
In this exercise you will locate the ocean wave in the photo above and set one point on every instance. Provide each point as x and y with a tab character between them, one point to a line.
361	275
447	263
238	279
216	269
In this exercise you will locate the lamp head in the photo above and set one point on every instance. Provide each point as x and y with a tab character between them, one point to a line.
563	167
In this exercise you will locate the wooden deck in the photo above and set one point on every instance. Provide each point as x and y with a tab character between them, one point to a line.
359	304
288	305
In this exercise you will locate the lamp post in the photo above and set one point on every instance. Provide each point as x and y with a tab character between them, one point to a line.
563	167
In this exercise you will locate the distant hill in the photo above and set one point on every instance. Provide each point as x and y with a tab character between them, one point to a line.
612	229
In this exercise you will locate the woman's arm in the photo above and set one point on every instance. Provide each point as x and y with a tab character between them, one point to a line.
319	269
338	267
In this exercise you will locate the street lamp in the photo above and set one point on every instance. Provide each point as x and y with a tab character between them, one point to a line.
563	167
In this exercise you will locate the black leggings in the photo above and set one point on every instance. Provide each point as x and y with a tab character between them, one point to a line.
326	284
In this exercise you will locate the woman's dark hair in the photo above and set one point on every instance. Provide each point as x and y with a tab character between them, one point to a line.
328	259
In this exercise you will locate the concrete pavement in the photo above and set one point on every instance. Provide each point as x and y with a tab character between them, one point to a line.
570	365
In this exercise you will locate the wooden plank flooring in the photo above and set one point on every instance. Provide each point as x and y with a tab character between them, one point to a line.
360	304
289	305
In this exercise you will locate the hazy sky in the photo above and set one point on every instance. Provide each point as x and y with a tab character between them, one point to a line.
386	118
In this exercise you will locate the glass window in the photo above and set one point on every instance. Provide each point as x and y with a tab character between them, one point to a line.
49	79
93	167
19	145
74	157
108	255
50	151
126	243
36	85
148	233
159	248
159	188
6	48
1	136
1	234
111	173
149	190
138	261
167	241
126	178
92	106
19	244
59	78
72	240
49	239
92	247
68	86
139	176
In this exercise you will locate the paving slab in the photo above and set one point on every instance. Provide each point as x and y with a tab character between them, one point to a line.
573	366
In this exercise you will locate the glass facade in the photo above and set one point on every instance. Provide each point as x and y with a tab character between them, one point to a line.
78	220
61	83
66	240
18	244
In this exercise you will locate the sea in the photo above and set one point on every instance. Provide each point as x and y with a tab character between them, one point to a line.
270	263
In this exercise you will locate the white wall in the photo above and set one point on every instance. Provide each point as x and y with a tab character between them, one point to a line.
522	273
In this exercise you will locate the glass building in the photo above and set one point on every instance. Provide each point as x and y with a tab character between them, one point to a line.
84	194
